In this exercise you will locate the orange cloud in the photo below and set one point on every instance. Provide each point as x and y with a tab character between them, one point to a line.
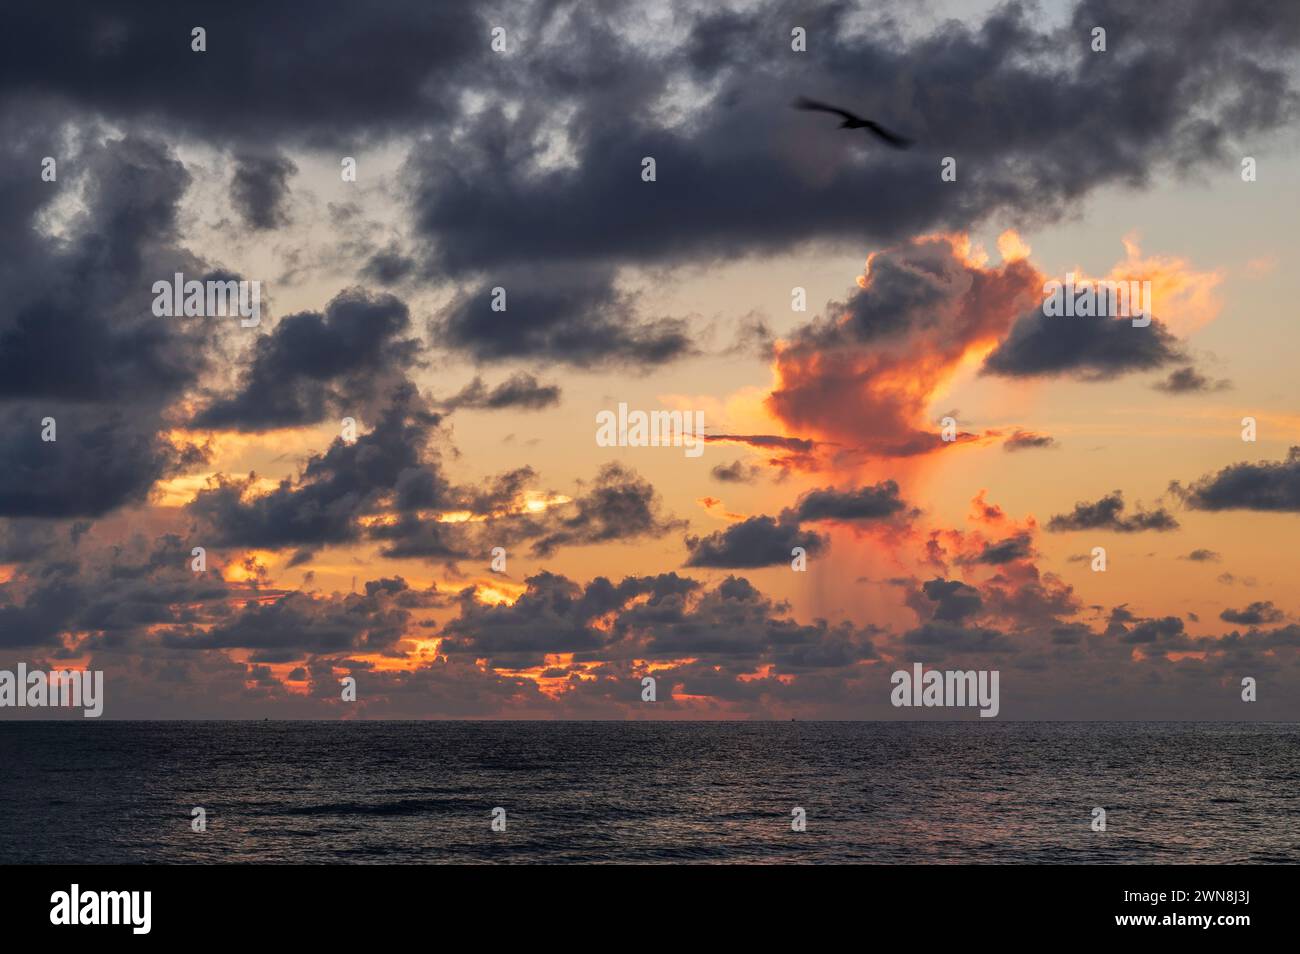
864	375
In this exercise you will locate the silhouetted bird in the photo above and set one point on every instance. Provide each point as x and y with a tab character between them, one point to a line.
854	122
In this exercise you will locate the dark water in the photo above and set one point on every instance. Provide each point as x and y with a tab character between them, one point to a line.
648	792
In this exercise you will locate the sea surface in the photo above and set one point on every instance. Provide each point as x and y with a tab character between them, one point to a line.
421	792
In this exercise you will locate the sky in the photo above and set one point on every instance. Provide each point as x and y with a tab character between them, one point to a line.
906	459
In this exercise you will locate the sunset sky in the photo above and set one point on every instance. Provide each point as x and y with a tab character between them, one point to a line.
522	169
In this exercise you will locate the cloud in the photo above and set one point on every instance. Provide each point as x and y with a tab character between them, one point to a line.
287	78
1026	440
388	267
1166	631
731	625
78	340
865	372
1202	555
797	445
334	490
572	317
1107	513
1190	381
954	600
620	505
520	391
295	625
107	598
1262	611
101	460
1093	349
878	502
555	615
737	472
259	190
758	541
1268	486
315	366
732	159
729	169
1018	547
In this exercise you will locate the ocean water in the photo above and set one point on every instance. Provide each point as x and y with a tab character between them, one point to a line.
420	792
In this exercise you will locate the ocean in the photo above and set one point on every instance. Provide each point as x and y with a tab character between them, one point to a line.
722	792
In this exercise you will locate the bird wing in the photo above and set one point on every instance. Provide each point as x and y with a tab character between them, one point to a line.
895	140
804	103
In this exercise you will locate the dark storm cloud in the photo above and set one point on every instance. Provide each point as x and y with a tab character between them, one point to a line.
728	181
1190	381
46	612
649	617
554	615
734	620
758	541
24	540
520	391
335	489
1107	513
736	173
1094	349
878	502
575	317
767	541
295	624
110	597
259	190
1268	486
953	600
78	340
318	71
77	323
314	365
1256	613
939	638
100	460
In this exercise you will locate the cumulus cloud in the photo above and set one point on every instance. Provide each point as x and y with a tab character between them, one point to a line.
737	472
1095	349
1107	513
259	189
1027	440
865	371
521	391
757	541
1190	381
1269	486
315	366
1257	613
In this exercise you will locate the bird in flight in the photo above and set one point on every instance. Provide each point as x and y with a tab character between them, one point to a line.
854	122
